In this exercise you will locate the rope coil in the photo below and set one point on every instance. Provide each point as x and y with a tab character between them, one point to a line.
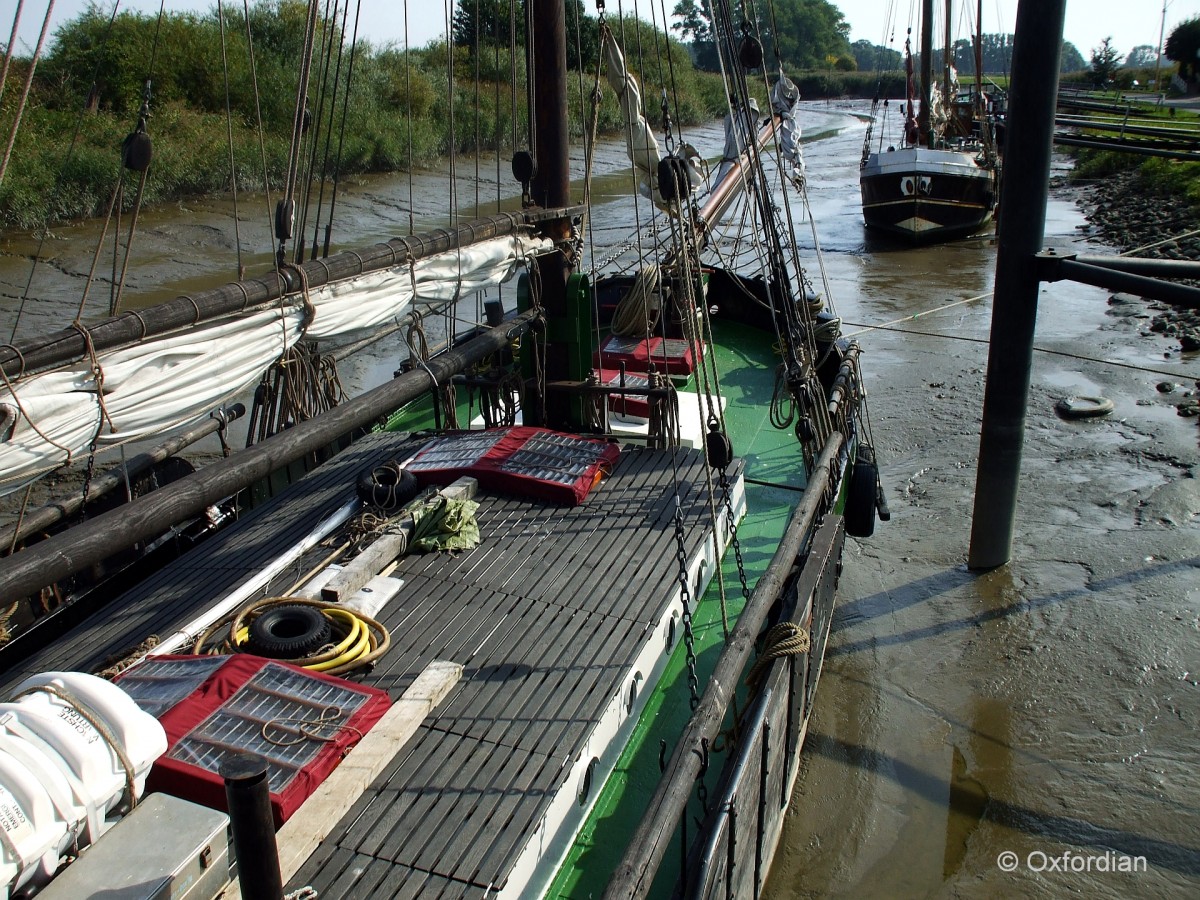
784	639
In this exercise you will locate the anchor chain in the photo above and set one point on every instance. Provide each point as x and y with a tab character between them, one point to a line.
731	529
689	637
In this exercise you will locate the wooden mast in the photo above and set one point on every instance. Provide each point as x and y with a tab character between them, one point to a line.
924	116
947	63
979	55
568	354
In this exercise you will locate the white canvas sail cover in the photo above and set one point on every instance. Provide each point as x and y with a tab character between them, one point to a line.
784	97
165	383
640	142
741	129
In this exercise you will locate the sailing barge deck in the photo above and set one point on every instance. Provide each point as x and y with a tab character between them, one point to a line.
559	619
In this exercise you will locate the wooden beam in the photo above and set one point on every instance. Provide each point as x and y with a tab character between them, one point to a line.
384	549
46	562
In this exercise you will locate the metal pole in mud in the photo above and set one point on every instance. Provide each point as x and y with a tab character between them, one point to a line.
1032	100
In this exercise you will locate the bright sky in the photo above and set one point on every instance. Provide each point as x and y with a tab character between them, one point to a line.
1129	22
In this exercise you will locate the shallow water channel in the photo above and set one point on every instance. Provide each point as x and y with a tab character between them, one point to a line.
1047	709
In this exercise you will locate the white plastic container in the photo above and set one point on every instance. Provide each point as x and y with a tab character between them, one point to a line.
62	781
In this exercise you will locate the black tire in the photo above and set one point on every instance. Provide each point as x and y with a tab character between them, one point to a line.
860	495
1083	407
289	631
387	486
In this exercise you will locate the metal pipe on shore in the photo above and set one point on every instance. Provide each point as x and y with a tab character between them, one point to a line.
57	557
1128	275
1032	101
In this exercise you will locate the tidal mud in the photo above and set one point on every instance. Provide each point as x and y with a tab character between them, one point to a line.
1028	731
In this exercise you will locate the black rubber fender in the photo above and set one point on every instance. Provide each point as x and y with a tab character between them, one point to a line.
288	631
387	486
861	493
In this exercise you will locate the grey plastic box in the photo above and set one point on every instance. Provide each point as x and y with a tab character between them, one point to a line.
166	849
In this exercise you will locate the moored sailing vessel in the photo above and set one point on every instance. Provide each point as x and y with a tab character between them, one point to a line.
941	181
598	638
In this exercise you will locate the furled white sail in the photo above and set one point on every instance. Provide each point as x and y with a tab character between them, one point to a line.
640	142
784	97
152	387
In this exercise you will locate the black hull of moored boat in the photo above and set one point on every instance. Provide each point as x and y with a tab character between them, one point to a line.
925	195
960	207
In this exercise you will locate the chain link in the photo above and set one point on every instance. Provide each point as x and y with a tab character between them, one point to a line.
88	472
685	593
731	528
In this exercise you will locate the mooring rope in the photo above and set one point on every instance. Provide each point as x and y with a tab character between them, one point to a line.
1046	350
784	639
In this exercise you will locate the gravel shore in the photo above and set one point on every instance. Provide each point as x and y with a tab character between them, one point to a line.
1121	214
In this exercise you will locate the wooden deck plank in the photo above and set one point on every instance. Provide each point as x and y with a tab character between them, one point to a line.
546	617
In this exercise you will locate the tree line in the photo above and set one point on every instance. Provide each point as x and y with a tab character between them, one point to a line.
108	74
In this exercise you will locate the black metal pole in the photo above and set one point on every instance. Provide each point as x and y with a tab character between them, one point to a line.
1032	100
249	800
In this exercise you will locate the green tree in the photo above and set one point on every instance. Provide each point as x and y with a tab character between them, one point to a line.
1143	56
1105	61
693	23
870	57
808	31
1071	60
1183	47
488	22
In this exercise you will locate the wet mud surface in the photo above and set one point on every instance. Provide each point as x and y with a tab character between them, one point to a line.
1048	707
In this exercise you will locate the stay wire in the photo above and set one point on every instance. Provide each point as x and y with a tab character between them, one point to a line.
316	120
962	339
8	50
59	179
258	119
233	179
337	168
408	94
329	131
37	55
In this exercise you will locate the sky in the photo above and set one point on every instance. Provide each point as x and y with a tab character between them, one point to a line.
1129	23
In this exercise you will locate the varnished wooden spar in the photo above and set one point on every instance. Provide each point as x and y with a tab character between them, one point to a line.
723	194
57	557
69	345
52	513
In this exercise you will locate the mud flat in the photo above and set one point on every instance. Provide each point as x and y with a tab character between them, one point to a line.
1028	731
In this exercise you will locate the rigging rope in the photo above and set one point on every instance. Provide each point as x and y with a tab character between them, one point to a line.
37	54
8	50
262	145
233	179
